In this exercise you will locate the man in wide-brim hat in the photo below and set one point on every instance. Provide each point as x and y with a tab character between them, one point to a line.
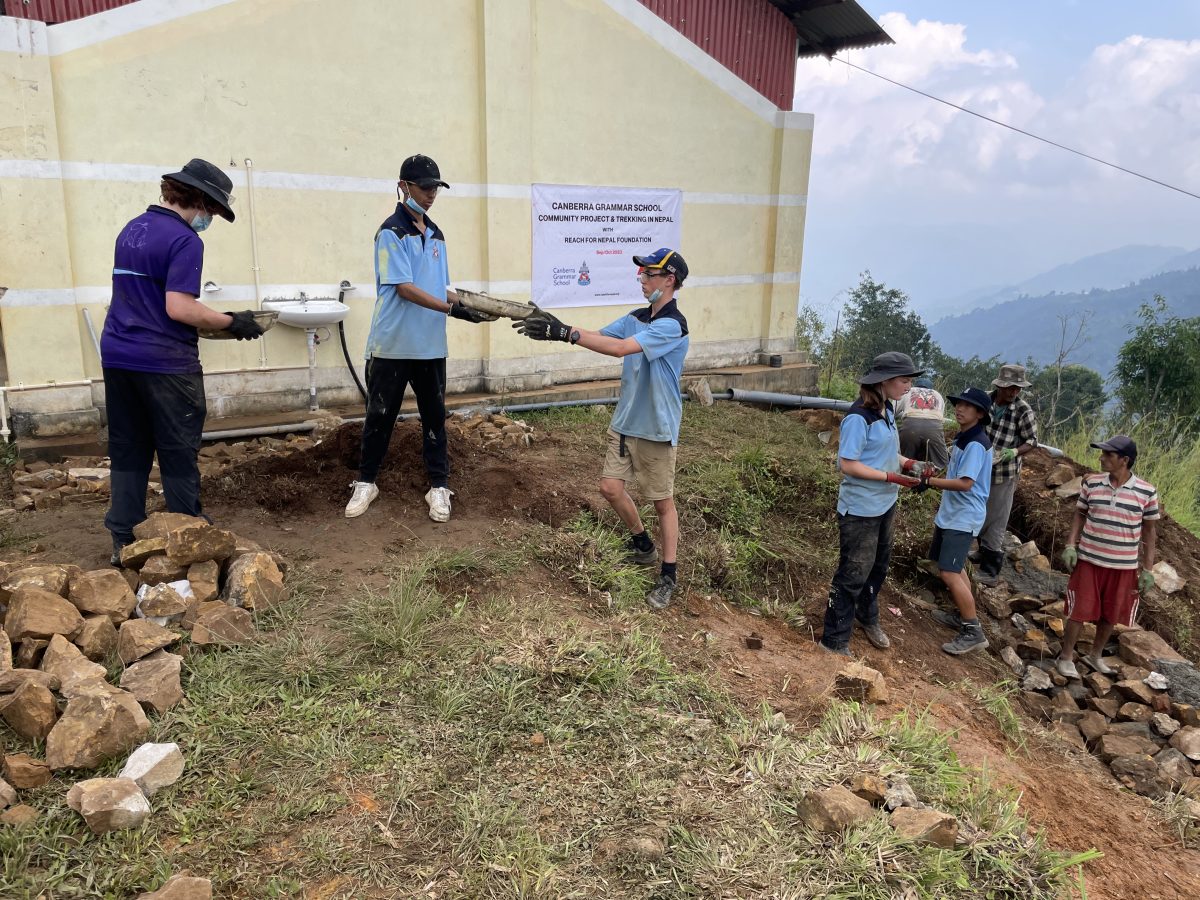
1013	433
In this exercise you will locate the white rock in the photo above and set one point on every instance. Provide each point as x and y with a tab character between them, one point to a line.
154	767
1157	680
1166	579
109	804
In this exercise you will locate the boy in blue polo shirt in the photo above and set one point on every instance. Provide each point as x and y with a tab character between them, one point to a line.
652	342
962	514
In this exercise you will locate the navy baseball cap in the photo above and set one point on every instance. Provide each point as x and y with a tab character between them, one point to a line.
666	259
978	399
421	171
1120	444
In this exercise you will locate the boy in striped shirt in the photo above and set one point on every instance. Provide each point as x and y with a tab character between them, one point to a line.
1103	550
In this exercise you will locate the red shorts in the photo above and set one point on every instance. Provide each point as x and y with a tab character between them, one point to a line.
1095	592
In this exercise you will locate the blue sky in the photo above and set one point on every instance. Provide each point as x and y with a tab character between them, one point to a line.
939	203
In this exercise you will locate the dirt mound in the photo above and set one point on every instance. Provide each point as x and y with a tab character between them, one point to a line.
1041	516
498	481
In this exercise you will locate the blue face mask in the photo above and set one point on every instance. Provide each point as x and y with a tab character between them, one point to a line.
653	298
202	221
415	206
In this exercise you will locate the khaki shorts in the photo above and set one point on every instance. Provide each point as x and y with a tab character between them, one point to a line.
651	464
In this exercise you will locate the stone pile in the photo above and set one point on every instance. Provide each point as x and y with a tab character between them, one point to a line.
489	431
834	809
62	626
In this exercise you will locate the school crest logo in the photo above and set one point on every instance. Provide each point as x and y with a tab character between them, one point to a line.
584	278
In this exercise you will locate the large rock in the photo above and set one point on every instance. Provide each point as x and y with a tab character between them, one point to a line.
833	809
134	555
162	601
181	887
1060	475
858	682
1163	725
199	542
154	767
221	624
97	639
253	581
154	681
30	711
66	661
161	570
1142	648
1134	712
1173	767
1036	680
1092	726
95	727
205	579
103	592
24	772
45	578
14	678
141	637
1139	774
35	613
1187	741
160	524
1106	706
1185	713
926	826
1069	489
871	788
1183	678
1113	745
1135	691
1166	579
109	804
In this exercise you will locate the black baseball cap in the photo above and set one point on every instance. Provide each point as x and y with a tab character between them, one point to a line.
210	181
666	259
421	171
1120	444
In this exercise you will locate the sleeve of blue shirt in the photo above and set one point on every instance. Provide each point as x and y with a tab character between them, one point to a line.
660	338
183	268
853	437
974	458
392	265
615	329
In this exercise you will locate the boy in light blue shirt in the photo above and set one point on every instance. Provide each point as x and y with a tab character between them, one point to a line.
962	514
652	342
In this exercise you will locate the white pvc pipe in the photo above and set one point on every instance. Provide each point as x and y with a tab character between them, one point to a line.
87	318
258	298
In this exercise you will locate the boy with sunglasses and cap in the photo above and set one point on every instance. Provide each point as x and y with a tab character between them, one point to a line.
961	514
407	341
1115	527
153	380
652	342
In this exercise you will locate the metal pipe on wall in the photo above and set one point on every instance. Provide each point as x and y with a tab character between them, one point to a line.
254	266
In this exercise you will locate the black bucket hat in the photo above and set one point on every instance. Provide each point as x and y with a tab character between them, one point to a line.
977	398
890	365
210	181
421	171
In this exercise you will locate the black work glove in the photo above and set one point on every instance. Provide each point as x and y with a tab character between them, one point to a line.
541	326
458	311
244	327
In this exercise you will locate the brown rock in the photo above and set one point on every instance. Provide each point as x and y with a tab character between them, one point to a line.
97	639
1187	741
1163	725
6	658
204	578
1037	705
131	578
1069	733
35	613
160	570
995	601
23	771
1186	714
154	681
1069	489
160	524
199	542
30	711
858	682
182	887
8	794
19	816
95	727
1139	774
103	592
833	809
1060	475
1064	701
222	624
1092	726
109	804
1173	767
64	660
1112	745
162	601
134	556
1098	684
926	826
253	581
1143	647
1135	691
45	578
139	637
1034	650
14	678
1134	712
29	653
871	788
1106	706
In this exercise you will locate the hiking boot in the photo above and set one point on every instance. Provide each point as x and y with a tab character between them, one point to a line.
660	595
1099	665
438	500
875	635
640	557
947	618
968	638
115	559
836	651
364	493
988	571
1066	668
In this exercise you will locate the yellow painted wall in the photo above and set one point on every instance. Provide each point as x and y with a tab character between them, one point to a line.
502	93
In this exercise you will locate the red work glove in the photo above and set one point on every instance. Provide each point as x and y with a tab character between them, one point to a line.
902	480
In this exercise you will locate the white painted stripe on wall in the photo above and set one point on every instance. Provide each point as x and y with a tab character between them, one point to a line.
114	23
23	36
134	173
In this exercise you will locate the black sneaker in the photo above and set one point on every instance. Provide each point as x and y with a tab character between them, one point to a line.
968	638
660	595
949	619
115	559
641	557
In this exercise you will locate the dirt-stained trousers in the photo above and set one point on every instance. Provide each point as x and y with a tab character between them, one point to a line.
866	550
387	380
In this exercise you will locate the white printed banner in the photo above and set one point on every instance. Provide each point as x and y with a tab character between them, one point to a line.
584	240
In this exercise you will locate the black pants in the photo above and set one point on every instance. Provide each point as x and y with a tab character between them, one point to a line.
866	549
151	413
386	382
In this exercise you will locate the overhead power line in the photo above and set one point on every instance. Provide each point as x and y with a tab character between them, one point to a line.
1036	137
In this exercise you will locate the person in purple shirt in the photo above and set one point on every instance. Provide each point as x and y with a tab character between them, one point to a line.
153	382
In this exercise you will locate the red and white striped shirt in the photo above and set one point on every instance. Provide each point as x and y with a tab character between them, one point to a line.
1112	527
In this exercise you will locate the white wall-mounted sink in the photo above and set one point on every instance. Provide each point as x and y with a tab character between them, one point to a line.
308	312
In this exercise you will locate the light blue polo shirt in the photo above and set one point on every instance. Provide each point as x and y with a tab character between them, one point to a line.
971	458
650	405
872	439
400	329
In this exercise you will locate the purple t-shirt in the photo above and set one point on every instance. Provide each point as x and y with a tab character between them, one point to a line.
156	252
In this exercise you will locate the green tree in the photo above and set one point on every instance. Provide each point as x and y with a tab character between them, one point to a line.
1065	395
810	332
876	319
952	375
1158	369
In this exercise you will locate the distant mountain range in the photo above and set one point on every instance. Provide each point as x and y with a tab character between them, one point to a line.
1028	326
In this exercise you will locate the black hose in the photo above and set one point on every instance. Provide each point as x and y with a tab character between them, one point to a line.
349	365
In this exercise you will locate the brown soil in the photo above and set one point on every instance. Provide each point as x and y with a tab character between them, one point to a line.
294	505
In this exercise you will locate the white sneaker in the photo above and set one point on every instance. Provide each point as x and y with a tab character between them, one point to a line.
439	503
1066	668
364	493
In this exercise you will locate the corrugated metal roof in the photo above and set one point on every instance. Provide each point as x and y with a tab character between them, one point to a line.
54	11
826	27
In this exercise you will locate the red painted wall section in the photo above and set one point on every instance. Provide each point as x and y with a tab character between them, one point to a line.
54	11
751	38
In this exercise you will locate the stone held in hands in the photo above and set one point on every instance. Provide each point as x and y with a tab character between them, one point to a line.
154	767
926	826
833	809
109	804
